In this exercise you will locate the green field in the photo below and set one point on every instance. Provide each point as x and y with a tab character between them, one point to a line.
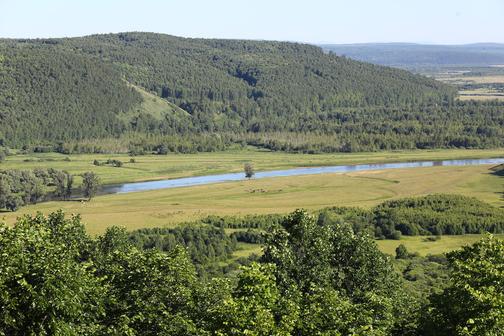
424	247
418	244
169	207
246	249
155	167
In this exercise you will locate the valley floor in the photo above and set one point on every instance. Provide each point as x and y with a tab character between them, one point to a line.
170	207
157	167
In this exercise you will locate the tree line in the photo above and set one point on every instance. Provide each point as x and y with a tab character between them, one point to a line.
209	248
431	215
23	187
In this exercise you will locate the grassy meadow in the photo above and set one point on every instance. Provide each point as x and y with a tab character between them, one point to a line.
424	247
156	167
169	207
414	244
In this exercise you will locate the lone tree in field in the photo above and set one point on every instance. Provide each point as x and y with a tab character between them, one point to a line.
69	184
249	170
90	184
402	252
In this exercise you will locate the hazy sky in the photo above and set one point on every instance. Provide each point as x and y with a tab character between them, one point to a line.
316	21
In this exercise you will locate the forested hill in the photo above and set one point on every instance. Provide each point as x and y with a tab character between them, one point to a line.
53	93
91	87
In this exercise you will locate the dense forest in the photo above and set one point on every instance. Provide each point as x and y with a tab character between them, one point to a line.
145	91
208	247
437	215
314	278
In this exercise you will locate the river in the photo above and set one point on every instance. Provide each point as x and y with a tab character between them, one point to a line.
208	179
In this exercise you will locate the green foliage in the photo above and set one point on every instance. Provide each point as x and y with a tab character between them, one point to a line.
248	168
3	152
150	293
337	274
402	252
473	302
436	215
360	219
20	187
255	306
245	222
90	184
111	162
276	95
423	276
45	289
428	215
205	245
316	278
250	236
49	94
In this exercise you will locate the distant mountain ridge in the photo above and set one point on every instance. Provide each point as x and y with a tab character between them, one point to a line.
411	55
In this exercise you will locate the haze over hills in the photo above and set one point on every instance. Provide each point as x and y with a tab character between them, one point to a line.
251	89
413	56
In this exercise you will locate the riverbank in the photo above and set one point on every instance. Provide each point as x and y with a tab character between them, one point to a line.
158	167
211	179
169	207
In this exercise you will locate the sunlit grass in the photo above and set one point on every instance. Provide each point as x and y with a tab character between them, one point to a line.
424	247
155	167
170	207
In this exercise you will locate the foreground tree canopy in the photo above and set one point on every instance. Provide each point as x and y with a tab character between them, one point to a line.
313	279
473	303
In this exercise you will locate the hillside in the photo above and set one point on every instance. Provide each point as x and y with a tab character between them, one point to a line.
415	56
49	93
258	91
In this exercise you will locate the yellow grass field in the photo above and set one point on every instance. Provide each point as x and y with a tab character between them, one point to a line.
423	247
481	94
418	244
275	195
156	167
488	81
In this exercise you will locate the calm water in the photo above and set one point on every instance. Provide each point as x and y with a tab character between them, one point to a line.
208	179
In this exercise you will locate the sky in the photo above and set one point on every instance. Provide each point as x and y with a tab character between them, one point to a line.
312	21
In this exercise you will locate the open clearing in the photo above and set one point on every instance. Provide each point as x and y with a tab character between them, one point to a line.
424	247
169	207
418	244
486	86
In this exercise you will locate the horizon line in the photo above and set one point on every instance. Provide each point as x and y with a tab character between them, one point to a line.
257	39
